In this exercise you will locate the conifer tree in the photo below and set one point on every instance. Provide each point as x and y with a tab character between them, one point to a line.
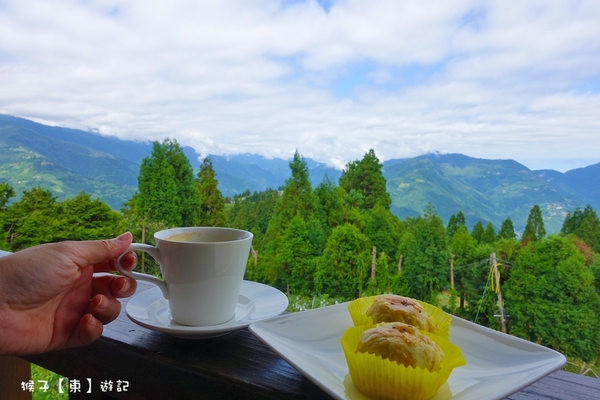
585	225
489	234
184	178
462	247
296	259
297	199
426	257
477	231
6	192
343	269
455	222
166	194
331	199
365	176
33	219
82	218
382	229
156	198
507	230
551	300
212	202
534	230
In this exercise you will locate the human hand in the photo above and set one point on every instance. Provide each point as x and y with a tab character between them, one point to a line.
50	298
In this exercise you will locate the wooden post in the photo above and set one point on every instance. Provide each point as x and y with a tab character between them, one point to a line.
13	371
452	272
254	255
374	263
500	300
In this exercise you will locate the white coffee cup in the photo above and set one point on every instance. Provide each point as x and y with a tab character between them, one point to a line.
203	269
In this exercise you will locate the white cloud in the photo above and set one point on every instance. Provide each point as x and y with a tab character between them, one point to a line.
476	77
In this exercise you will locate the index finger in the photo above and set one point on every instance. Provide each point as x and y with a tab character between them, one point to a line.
128	261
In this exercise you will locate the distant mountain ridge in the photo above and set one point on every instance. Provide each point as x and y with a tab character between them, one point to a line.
67	161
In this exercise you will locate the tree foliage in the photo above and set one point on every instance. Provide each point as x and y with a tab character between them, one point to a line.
343	269
551	298
212	202
365	176
426	257
534	230
585	225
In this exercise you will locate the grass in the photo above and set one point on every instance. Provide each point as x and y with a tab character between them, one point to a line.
40	375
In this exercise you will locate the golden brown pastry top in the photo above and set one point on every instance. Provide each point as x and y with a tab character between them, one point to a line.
403	344
394	308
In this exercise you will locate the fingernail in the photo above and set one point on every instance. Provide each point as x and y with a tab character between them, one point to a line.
125	286
124	236
98	300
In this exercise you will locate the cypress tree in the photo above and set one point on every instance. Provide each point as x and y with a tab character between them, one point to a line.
489	234
534	230
477	231
157	198
212	202
365	176
507	230
184	178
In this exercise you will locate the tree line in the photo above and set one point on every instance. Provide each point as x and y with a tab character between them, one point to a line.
338	241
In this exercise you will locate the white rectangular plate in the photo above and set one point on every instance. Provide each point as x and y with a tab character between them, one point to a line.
497	364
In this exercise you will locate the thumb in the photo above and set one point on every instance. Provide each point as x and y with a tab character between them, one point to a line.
99	252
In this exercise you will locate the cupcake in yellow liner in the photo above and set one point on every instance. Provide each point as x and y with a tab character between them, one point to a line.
383	379
438	322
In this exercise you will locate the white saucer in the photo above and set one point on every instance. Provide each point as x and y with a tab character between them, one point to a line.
256	303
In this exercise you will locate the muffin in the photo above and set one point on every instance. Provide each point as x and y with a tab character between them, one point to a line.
389	379
402	344
393	308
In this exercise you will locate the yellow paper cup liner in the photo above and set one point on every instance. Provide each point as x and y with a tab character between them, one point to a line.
383	379
358	311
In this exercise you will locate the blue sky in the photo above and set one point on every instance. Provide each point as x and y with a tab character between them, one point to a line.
331	79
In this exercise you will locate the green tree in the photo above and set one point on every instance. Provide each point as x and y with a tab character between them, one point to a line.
296	258
212	202
455	222
6	193
331	199
489	234
426	257
157	196
187	194
462	248
382	229
383	280
507	230
551	300
365	176
343	269
297	199
32	220
82	218
585	225
534	230
477	231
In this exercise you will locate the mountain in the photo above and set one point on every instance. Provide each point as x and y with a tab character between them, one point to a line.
67	161
487	190
242	172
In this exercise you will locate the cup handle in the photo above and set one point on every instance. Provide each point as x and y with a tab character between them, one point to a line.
153	251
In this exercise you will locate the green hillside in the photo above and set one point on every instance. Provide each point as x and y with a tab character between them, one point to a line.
28	159
68	161
486	190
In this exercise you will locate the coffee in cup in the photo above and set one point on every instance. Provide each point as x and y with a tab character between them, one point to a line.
202	268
